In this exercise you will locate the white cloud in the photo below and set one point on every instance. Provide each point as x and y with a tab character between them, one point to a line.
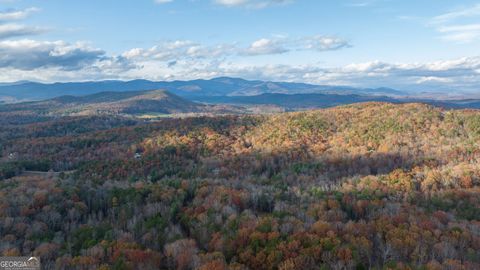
183	59
16	30
461	33
52	61
459	26
457	14
432	79
231	2
458	75
163	1
10	30
255	4
323	43
282	44
180	49
186	49
10	15
265	46
30	54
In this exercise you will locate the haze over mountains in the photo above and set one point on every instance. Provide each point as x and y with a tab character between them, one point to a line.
222	86
233	94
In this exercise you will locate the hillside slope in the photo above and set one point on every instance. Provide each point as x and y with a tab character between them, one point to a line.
295	101
364	186
134	102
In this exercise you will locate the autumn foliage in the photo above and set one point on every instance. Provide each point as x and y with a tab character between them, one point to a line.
367	186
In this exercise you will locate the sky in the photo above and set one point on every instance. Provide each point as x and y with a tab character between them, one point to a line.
417	45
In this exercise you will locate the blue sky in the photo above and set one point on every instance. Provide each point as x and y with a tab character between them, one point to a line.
413	45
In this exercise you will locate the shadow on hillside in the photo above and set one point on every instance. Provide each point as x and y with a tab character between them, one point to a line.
111	155
321	168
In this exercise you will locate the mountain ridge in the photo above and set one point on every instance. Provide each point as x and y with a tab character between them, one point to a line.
129	102
163	102
221	86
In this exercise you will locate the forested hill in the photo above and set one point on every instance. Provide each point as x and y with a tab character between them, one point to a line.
133	102
365	186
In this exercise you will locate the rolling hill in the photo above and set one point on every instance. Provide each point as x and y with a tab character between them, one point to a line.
295	101
132	102
161	102
364	186
317	100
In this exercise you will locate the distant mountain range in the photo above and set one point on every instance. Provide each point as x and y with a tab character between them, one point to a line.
219	95
155	103
223	86
164	102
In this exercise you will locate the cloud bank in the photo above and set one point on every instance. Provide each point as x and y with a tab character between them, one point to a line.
61	61
24	58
